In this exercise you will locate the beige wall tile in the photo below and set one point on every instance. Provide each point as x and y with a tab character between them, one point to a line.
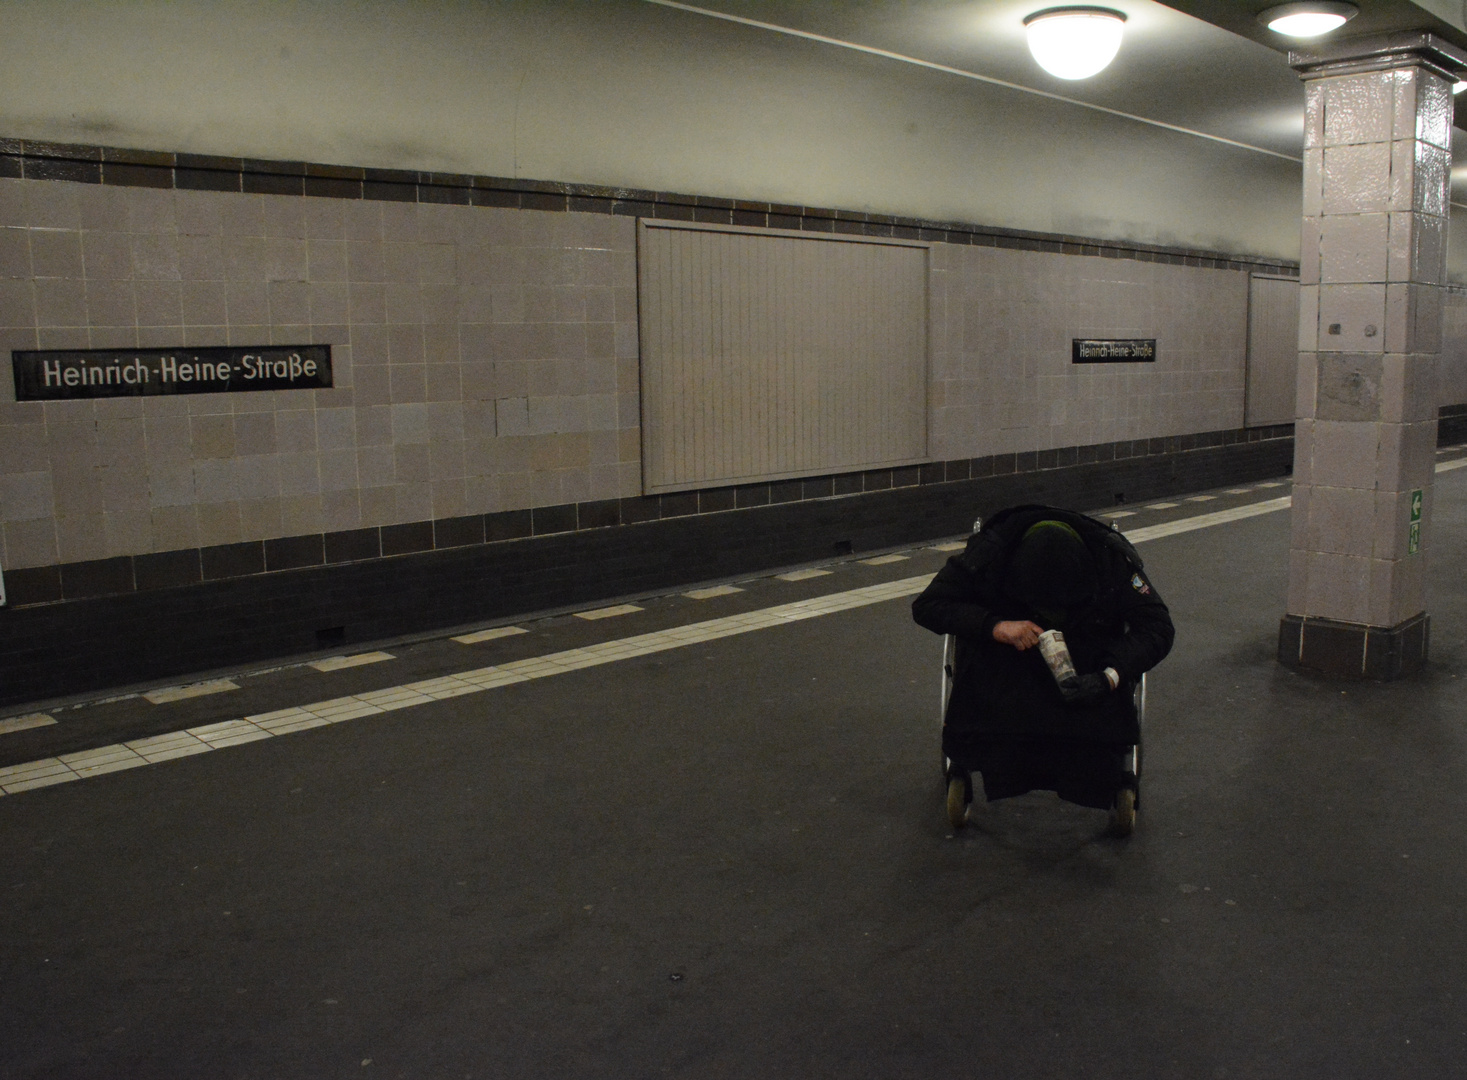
81	537
155	257
285	216
376	466
257	477
260	519
17	303
30	543
449	498
414	502
128	531
352	510
338	470
219	523
26	496
212	436
175	527
301	515
123	487
58	302
52	253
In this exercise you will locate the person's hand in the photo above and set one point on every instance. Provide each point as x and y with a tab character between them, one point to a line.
1085	689
1020	634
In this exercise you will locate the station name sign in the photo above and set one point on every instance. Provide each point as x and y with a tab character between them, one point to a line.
62	374
1102	351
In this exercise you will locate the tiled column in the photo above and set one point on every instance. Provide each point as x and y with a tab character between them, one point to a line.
1377	174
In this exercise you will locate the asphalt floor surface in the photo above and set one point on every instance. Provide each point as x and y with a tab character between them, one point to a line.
731	859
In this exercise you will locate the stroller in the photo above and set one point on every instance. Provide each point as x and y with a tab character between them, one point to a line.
959	786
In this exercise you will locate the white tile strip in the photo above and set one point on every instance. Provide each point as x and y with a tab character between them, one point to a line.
1162	506
337	663
198	740
1199	498
1203	521
951	545
882	560
26	722
104	759
802	575
30	770
608	612
1448	466
488	635
175	744
711	592
182	693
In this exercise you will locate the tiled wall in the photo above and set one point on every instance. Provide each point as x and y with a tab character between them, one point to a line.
1001	332
485	359
485	348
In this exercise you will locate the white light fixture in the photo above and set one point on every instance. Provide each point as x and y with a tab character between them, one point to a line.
1074	42
1307	20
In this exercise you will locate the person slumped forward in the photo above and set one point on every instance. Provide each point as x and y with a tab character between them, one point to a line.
1027	570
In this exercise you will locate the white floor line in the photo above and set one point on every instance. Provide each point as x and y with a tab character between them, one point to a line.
882	560
1448	466
337	663
608	612
182	693
26	722
488	635
712	592
47	771
801	575
1203	521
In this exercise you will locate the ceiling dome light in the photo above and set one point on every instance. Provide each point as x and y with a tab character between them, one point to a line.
1307	20
1074	42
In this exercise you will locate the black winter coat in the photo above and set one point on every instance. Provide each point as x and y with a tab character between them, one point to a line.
1002	692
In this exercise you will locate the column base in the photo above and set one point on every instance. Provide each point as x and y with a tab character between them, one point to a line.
1353	650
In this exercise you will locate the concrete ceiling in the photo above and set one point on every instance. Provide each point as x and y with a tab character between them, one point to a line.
1207	66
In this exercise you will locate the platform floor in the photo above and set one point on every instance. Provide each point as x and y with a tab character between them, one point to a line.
722	852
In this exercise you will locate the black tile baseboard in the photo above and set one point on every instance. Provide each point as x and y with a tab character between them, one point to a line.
52	650
1354	650
79	581
21	158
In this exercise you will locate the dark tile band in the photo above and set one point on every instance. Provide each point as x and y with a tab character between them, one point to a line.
140	573
146	168
54	650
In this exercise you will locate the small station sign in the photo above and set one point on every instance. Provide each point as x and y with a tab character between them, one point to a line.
1113	350
63	374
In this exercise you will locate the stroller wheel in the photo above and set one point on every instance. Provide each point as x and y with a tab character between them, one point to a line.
1123	817
959	796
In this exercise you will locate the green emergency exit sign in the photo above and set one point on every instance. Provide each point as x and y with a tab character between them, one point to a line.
1413	538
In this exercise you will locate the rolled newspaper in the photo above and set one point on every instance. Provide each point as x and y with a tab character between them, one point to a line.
1057	655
